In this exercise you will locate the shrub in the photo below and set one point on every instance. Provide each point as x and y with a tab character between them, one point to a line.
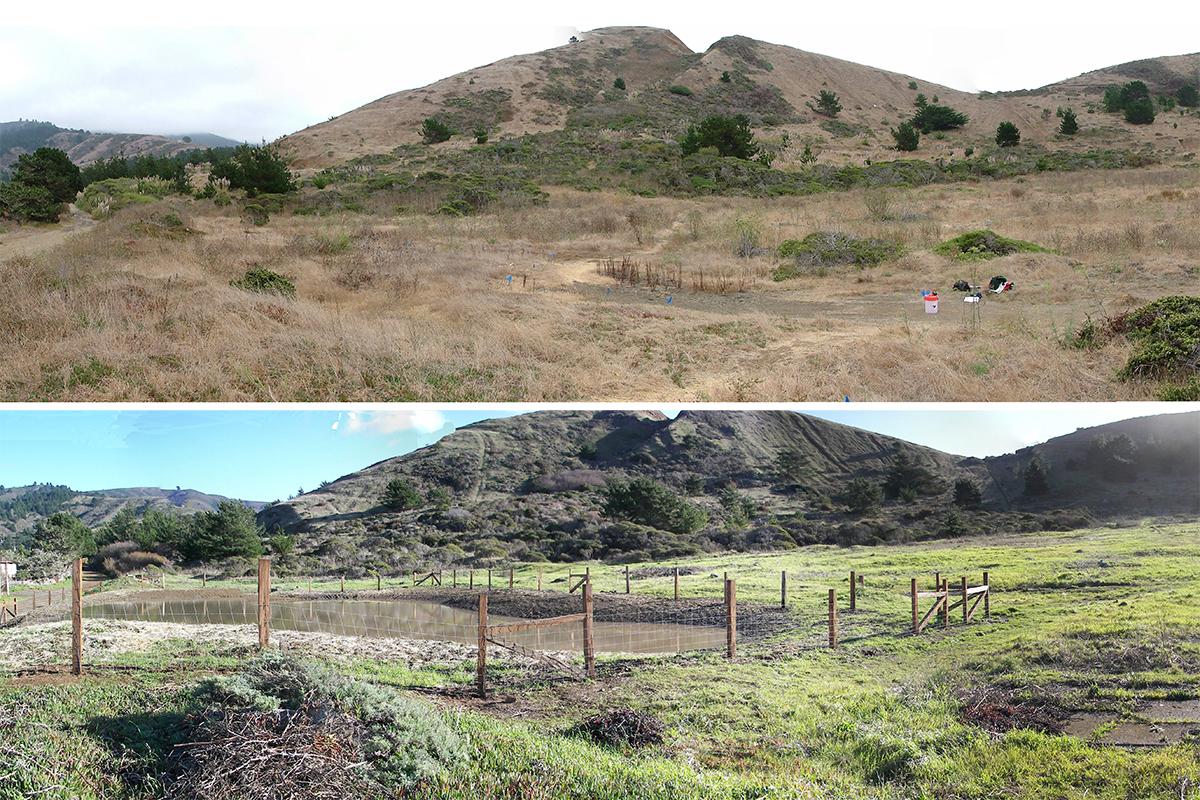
907	137
122	558
255	170
726	77
912	85
400	495
984	244
105	197
827	103
1188	95
648	502
1167	335
683	91
481	135
265	281
51	169
1007	134
434	131
1069	125
619	84
255	214
863	495
830	248
930	118
28	203
731	136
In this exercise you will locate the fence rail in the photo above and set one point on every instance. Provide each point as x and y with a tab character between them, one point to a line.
543	625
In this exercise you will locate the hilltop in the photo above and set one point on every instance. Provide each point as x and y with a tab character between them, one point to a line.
530	486
85	147
22	506
668	86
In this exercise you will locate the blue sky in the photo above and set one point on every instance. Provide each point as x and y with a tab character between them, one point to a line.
269	454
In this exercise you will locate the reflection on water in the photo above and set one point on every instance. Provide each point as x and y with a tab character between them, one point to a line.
410	619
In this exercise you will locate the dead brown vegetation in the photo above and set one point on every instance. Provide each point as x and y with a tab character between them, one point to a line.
417	307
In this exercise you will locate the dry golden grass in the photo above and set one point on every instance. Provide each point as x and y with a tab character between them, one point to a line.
418	307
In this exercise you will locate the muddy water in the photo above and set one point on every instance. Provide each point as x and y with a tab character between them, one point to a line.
410	619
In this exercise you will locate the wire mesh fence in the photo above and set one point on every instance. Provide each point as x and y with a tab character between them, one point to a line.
541	612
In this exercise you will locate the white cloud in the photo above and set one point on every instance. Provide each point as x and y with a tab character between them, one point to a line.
384	423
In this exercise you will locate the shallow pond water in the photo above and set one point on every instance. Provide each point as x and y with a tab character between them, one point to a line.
409	619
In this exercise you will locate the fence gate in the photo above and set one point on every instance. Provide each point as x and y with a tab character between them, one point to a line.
969	598
432	578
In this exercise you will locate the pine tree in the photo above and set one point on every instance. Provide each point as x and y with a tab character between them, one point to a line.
1069	125
906	136
828	103
1007	134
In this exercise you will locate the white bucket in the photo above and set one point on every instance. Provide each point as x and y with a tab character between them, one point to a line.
931	303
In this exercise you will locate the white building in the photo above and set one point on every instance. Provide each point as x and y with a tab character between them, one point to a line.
8	571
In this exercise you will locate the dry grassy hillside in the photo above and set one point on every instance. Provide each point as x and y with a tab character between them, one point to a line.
556	88
418	306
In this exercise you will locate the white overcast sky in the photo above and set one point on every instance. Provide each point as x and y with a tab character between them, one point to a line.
254	70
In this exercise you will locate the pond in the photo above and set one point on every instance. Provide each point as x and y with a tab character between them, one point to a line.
408	619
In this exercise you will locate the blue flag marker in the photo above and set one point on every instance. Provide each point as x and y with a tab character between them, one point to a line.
846	398
508	278
669	299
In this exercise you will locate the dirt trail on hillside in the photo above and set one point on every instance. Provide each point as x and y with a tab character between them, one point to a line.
32	239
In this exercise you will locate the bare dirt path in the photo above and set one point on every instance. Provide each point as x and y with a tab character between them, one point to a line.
26	240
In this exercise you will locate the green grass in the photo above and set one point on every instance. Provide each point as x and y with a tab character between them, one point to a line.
1101	616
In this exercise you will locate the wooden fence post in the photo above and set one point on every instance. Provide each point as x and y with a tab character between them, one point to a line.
472	586
481	657
730	618
378	581
833	618
783	590
454	578
539	579
966	614
76	617
916	607
589	644
945	602
489	579
987	597
510	577
677	584
853	591
626	579
264	602
343	588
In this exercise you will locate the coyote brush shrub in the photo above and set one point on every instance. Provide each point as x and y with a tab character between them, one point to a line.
830	248
1167	333
261	279
984	244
